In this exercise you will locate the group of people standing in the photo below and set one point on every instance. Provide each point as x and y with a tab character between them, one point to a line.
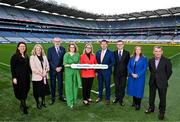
127	71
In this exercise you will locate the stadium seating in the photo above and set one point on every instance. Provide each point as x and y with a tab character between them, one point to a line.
34	26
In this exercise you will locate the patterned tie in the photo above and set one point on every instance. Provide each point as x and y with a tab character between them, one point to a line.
57	50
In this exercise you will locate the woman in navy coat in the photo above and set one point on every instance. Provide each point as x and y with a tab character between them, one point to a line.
137	67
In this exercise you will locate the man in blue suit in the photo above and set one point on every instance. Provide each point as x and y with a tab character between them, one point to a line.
55	58
104	56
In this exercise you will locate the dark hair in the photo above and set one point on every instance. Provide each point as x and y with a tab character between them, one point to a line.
17	50
103	41
120	41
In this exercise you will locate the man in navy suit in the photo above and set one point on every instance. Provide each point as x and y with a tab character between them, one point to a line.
55	58
104	56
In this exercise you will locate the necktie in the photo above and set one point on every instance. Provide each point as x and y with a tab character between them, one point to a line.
57	50
119	55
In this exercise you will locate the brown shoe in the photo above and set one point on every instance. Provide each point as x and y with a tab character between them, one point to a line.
107	102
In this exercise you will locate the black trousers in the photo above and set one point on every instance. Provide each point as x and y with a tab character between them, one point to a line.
162	96
86	87
136	101
120	85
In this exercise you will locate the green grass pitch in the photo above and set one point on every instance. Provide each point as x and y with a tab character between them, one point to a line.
9	106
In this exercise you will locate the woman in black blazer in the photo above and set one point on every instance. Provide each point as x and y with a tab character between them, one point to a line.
20	70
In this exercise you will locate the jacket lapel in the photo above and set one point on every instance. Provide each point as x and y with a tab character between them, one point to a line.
160	62
38	63
54	49
123	55
153	64
105	55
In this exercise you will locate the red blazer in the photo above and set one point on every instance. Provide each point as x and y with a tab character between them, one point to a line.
87	73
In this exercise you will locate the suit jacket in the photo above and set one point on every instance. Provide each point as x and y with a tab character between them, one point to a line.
161	75
37	68
87	73
54	59
108	59
120	68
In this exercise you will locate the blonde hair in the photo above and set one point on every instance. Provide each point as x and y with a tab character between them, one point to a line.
88	44
73	43
134	52
33	52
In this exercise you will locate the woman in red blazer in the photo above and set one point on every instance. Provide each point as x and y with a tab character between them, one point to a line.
88	57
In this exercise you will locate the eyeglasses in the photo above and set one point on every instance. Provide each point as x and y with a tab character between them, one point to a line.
72	47
88	47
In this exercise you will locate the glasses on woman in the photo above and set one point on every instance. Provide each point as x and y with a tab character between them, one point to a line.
88	48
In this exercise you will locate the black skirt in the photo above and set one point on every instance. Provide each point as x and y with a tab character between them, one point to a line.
40	89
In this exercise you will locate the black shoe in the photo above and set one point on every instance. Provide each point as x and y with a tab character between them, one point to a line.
161	116
115	101
149	110
27	107
25	110
121	104
44	105
62	99
137	107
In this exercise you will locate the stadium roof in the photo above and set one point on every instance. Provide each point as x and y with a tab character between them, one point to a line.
53	7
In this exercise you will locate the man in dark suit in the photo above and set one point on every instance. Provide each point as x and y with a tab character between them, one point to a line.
55	58
160	71
120	71
104	56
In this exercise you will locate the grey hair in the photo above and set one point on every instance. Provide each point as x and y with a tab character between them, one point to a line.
158	47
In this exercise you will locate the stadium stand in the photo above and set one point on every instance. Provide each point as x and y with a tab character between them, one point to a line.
25	20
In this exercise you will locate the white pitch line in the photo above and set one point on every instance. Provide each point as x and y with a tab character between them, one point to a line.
174	55
4	64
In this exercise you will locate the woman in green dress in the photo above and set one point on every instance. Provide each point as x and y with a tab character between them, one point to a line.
72	76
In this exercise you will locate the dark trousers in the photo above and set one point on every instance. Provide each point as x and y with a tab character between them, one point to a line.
59	76
86	87
136	101
120	85
162	96
103	78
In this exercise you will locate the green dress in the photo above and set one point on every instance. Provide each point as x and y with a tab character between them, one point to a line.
72	78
